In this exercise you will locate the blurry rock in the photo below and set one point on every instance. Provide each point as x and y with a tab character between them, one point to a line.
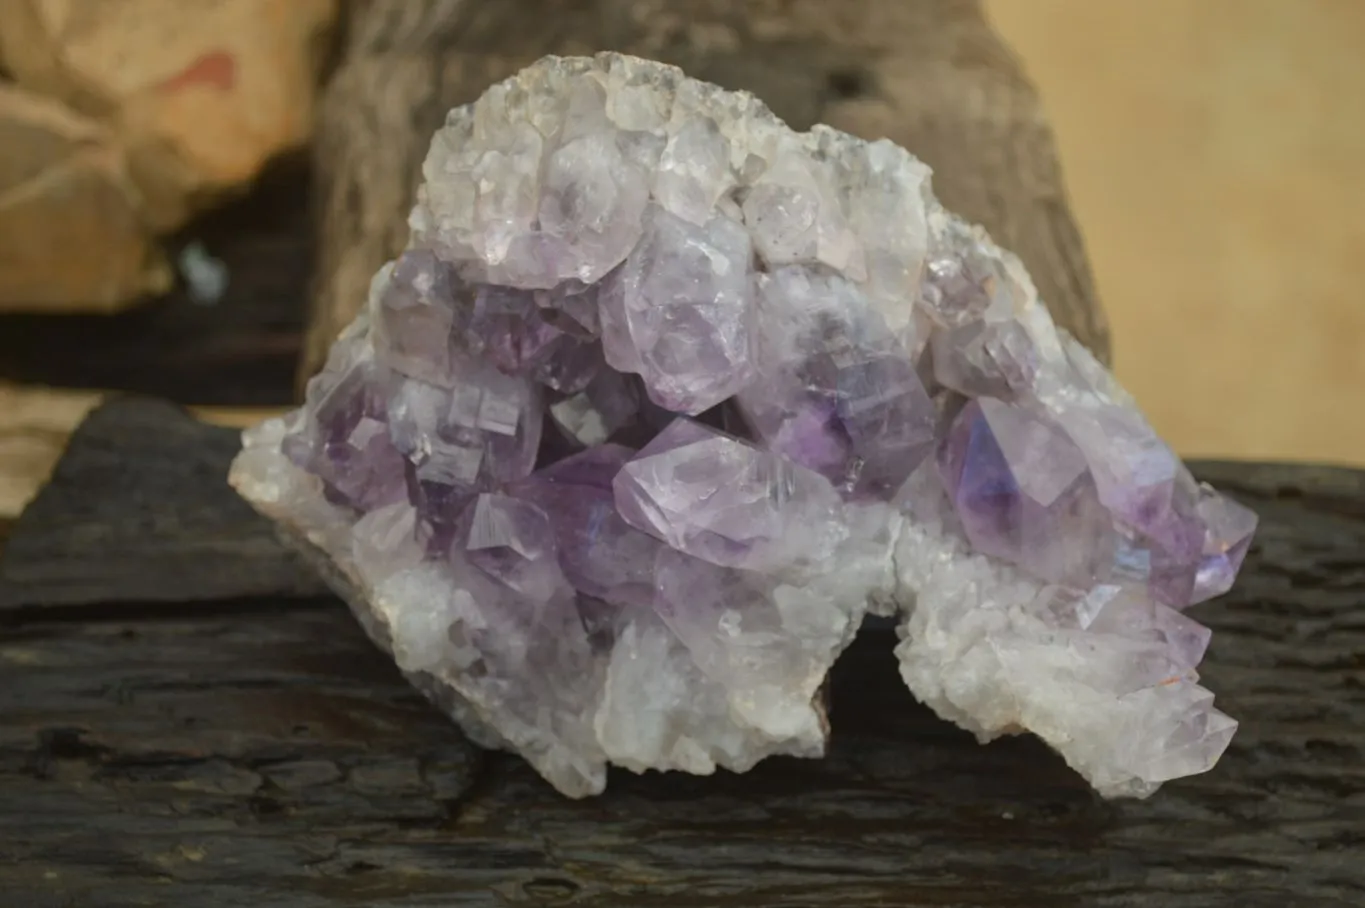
201	92
75	236
172	105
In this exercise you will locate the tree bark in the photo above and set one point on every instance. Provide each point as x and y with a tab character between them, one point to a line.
262	752
929	74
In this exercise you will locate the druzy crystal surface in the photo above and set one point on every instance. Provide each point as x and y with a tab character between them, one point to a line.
664	397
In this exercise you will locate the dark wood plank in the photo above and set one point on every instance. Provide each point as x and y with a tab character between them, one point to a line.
268	756
254	752
214	760
138	509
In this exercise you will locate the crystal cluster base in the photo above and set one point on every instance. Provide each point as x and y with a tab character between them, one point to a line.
664	397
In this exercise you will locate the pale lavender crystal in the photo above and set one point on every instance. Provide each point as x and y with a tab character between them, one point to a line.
530	638
1137	475
694	170
994	358
571	367
881	407
344	439
680	311
772	675
571	307
1171	645
507	329
510	330
964	279
601	554
664	397
484	431
415	316
512	542
793	213
838	392
1150	494
722	500
592	201
1228	530
972	295
1024	493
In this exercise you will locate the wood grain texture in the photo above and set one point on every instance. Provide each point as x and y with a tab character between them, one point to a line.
138	509
261	752
36	423
929	74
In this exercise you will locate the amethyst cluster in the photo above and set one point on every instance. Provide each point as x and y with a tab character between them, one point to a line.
664	397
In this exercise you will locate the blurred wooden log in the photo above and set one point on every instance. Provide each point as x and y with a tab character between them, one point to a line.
263	752
929	74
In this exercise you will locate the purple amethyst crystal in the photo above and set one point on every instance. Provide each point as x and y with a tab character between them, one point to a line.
725	501
837	391
1023	492
344	440
1228	528
664	397
602	555
679	312
606	405
415	313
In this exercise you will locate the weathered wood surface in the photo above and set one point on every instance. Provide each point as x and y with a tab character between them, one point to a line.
260	752
138	509
930	74
36	423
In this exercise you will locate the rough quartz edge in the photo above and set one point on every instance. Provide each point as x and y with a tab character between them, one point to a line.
263	476
958	662
320	540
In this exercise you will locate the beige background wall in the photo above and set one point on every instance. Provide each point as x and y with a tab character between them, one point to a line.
1215	154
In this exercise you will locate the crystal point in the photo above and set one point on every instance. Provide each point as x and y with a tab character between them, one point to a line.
680	311
722	500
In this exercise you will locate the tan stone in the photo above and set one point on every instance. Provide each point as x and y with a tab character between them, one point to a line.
201	93
74	237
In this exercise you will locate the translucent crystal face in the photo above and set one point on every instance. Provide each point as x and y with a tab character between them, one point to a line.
664	396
